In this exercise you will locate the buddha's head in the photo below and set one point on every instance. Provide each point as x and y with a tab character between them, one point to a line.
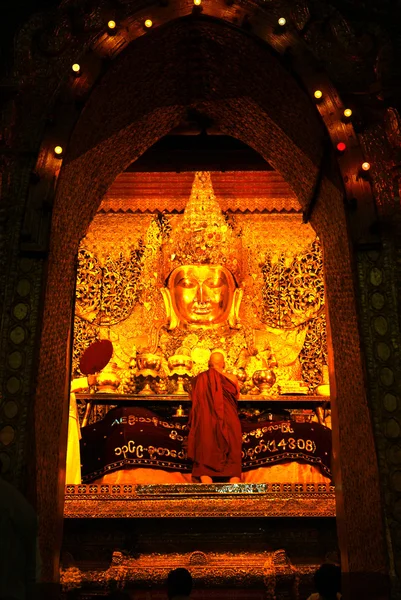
201	295
199	290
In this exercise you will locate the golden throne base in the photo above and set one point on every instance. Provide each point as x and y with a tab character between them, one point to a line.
199	500
211	520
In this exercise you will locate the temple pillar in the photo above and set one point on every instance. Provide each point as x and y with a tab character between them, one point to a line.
360	524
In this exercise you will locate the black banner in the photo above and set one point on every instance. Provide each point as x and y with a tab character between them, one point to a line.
136	437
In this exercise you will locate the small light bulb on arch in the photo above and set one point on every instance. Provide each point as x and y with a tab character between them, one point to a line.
347	113
58	151
111	25
341	147
282	21
365	166
76	68
148	23
197	2
318	94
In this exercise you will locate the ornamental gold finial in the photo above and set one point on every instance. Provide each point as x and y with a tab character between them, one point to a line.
205	237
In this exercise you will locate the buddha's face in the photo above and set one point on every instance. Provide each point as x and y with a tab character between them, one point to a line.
201	294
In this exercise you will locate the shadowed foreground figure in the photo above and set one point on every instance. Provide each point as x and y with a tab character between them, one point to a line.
215	436
179	584
19	554
327	581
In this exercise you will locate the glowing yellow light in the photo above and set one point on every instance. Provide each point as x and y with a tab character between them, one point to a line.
148	23
197	2
282	21
366	166
347	112
318	94
58	150
111	25
76	68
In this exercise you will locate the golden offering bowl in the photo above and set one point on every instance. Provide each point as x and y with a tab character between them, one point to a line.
264	380
240	374
148	366
108	380
180	364
148	362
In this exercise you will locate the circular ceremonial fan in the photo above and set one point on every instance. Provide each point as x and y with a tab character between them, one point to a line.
96	357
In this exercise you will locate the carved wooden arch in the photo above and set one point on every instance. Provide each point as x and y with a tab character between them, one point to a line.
76	34
134	105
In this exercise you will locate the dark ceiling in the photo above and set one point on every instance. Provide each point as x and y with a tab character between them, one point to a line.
200	152
14	13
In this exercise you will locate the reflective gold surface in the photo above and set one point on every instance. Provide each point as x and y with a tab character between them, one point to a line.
264	379
200	500
201	294
271	572
248	285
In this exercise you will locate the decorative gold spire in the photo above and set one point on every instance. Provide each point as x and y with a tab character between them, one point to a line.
202	210
205	237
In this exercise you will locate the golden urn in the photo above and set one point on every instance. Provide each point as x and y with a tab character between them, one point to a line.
263	380
107	380
240	374
148	365
180	363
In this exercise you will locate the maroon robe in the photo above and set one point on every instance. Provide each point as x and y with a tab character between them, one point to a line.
215	436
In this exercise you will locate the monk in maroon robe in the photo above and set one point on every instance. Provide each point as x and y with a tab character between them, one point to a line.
215	436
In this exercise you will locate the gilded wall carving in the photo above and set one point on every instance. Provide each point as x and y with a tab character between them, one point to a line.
293	294
124	268
267	569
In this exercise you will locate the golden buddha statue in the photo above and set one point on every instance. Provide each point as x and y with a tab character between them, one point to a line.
207	275
220	281
203	266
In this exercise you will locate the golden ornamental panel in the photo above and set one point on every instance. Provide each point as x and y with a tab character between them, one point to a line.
199	500
266	570
278	309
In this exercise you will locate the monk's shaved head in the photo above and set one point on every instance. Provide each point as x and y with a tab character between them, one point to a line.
217	360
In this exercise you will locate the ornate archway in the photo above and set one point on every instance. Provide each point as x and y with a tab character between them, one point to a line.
143	94
125	116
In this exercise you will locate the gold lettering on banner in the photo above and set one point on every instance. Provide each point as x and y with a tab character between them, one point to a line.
283	427
139	451
272	447
132	419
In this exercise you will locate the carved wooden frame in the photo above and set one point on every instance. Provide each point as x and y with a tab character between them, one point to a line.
199	500
265	570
